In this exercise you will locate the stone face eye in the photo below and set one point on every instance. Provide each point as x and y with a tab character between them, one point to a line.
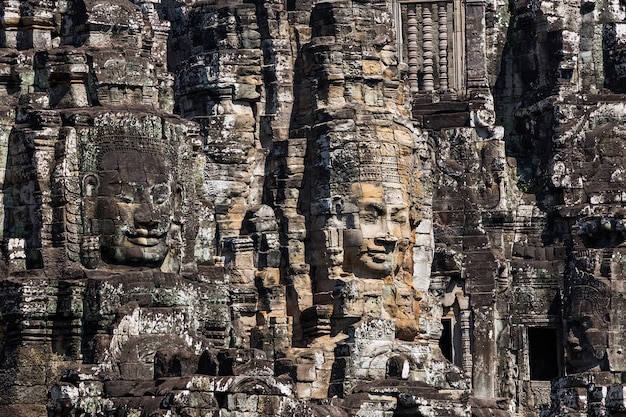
160	193
399	216
586	322
372	213
369	217
126	193
125	198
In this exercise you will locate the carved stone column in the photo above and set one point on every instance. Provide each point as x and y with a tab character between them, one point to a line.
11	21
466	341
427	27
412	48
483	330
443	45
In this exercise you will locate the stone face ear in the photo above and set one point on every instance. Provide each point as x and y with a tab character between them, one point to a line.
178	195
90	185
90	251
90	242
352	239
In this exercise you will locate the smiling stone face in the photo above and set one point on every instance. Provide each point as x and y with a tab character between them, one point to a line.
587	328
383	234
131	196
134	207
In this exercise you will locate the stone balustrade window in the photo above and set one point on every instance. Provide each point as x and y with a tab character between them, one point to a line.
430	40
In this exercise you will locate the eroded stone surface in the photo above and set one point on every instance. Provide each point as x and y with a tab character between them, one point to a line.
346	208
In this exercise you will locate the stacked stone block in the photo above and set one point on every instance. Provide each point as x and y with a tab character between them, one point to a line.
305	123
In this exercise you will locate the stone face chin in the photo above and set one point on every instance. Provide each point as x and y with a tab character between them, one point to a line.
348	208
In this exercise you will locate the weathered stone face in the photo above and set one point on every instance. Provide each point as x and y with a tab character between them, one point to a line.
383	235
131	183
135	206
587	328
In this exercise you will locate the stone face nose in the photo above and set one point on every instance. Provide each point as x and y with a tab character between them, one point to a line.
574	342
145	217
386	239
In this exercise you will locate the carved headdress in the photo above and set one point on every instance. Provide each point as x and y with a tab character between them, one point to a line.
104	139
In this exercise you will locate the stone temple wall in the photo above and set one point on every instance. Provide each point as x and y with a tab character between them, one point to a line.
312	208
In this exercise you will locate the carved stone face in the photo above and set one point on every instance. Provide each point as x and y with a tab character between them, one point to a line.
384	232
587	337
134	207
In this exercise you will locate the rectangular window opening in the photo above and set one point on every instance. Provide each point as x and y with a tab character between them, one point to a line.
445	342
543	353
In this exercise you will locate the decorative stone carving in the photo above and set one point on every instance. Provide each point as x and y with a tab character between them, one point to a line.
322	208
131	197
377	248
587	317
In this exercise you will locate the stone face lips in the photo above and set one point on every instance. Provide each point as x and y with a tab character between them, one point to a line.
346	208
